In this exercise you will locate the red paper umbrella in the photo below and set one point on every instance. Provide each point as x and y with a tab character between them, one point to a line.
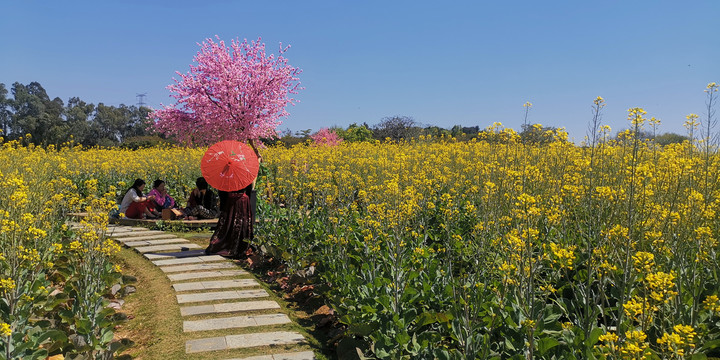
229	165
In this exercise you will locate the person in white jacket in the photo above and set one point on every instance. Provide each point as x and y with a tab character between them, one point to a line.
135	205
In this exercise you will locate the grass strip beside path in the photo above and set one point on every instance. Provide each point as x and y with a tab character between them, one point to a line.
155	315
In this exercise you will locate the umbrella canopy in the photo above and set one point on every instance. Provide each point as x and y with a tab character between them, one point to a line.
229	165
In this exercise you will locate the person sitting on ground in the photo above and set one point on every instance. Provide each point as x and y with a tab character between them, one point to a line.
202	203
162	200
135	205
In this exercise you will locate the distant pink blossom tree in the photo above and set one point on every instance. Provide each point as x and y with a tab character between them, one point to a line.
232	93
325	137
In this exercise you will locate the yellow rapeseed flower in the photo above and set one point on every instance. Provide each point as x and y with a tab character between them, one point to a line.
643	261
679	342
5	329
712	303
661	285
7	284
608	337
635	345
76	245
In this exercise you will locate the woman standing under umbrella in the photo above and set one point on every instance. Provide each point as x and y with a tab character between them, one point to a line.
235	225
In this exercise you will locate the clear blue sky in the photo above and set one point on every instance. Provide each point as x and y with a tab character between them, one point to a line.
463	62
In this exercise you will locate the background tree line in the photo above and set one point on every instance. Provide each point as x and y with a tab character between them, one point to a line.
27	109
398	128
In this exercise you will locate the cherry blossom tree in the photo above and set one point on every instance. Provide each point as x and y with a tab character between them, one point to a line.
234	92
326	137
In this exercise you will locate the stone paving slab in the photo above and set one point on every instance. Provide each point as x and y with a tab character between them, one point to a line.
203	266
176	240
207	344
167	247
243	341
189	260
229	307
128	228
144	232
116	226
263	339
117	231
116	234
271	319
174	255
179	261
145	237
212	258
234	322
221	295
124	230
303	355
205	274
214	285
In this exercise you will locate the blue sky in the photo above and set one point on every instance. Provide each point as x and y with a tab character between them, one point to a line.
463	62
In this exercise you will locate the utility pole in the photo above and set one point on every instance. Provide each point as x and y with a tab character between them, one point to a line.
141	99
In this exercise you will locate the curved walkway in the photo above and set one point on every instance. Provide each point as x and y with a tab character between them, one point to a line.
214	293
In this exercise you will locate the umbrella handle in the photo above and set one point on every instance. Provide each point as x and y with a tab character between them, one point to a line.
225	169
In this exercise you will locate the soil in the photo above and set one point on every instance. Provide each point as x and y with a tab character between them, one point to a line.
309	306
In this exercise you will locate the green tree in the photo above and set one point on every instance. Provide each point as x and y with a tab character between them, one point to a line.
662	139
303	134
115	125
396	128
670	138
287	138
356	133
138	124
436	131
78	116
5	114
35	114
456	131
537	134
109	124
50	121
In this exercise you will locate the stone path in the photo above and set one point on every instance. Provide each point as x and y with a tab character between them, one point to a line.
216	295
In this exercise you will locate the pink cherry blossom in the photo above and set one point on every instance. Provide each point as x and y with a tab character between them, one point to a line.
230	93
325	137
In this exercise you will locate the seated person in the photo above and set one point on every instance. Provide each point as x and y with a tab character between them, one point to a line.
135	205
202	203
162	199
